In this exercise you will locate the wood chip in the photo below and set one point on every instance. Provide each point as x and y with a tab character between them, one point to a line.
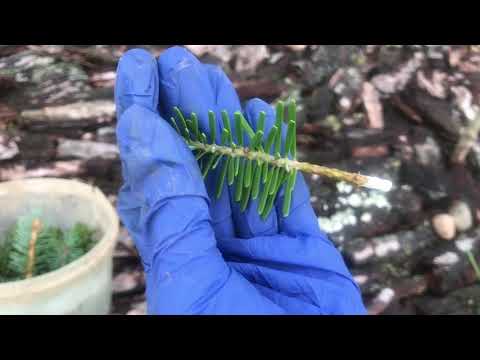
370	151
470	66
56	169
86	149
223	52
103	80
75	112
373	106
397	81
406	109
435	86
7	114
264	89
297	48
8	147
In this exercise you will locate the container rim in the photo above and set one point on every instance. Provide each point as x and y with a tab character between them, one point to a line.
80	266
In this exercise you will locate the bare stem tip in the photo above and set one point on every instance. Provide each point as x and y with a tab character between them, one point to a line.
378	184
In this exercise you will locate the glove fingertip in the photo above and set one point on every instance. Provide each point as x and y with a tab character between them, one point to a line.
174	59
185	84
254	107
226	97
137	80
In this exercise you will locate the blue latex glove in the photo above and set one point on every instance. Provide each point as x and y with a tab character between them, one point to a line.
200	255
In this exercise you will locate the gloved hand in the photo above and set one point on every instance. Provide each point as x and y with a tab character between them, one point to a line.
202	255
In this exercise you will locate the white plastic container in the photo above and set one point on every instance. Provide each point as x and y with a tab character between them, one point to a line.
81	287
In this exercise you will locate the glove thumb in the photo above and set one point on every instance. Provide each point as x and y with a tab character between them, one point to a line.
158	167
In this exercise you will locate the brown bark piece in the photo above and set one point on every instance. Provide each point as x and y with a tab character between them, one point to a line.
370	151
373	105
435	86
263	89
406	109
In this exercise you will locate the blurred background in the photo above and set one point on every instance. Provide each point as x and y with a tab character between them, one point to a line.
407	113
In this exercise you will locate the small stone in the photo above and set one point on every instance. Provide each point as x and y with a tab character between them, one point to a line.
126	281
447	259
345	103
366	217
444	226
462	215
88	136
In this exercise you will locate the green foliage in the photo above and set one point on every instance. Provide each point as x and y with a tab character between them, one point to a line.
18	257
22	255
250	161
5	248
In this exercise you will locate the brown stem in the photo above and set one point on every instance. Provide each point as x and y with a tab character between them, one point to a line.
36	226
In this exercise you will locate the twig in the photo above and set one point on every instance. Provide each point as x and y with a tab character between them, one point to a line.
80	110
334	174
